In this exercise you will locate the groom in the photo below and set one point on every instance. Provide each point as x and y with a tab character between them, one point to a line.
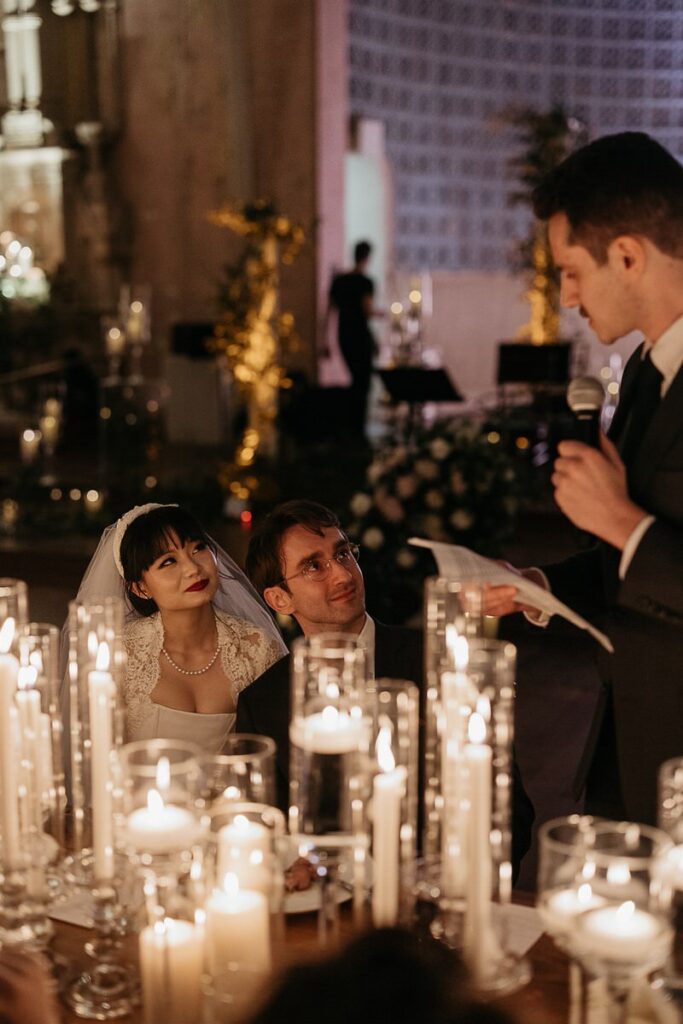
304	565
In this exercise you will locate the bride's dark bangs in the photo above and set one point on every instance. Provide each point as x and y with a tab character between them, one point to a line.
151	535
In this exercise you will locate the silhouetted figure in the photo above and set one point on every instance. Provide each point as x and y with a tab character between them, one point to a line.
351	294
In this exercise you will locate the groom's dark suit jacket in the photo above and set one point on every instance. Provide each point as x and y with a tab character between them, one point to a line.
263	708
638	721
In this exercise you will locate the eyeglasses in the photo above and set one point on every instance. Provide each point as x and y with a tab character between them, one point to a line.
318	569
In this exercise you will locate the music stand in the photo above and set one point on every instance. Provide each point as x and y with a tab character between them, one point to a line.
417	385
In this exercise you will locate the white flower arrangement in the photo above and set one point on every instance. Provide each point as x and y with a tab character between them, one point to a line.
452	485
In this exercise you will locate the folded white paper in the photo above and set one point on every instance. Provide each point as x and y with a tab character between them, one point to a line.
463	565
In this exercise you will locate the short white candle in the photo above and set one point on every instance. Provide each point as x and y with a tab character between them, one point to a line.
171	962
160	827
330	731
237	927
243	850
100	693
9	729
623	934
478	756
558	909
387	792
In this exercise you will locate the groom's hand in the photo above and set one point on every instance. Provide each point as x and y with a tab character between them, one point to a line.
503	599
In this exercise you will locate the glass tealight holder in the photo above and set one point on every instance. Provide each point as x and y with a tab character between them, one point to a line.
330	735
159	805
233	994
393	810
624	934
246	852
671	821
243	771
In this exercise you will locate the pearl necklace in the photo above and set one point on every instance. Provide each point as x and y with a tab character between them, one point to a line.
192	671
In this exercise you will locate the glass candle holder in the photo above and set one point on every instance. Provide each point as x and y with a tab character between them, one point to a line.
244	771
626	935
394	799
13	602
158	804
671	821
96	665
244	870
330	765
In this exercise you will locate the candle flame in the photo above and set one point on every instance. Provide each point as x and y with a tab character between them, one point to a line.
241	823
329	717
461	653
385	756
163	773
26	678
160	928
484	707
231	885
476	729
102	659
6	635
155	801
584	894
92	643
626	910
618	874
231	793
36	659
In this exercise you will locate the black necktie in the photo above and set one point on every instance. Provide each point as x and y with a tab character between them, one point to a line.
646	390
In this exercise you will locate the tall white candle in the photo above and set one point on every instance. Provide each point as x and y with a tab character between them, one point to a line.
100	694
478	918
171	961
237	927
387	792
458	697
28	705
329	731
9	727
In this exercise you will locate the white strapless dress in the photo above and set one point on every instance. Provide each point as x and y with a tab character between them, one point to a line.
245	653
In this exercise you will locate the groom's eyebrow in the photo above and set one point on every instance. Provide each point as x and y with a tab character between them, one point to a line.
307	558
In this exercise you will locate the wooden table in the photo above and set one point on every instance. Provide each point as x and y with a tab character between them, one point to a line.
543	1001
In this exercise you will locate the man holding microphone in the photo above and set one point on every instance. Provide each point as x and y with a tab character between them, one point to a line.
615	223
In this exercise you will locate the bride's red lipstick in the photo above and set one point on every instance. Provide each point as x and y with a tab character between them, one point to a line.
199	585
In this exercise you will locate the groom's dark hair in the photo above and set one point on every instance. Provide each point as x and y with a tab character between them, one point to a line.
264	557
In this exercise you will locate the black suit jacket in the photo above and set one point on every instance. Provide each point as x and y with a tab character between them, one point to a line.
263	708
642	614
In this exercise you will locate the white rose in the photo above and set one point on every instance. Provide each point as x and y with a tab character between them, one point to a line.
360	503
427	469
433	499
373	538
461	519
439	448
405	558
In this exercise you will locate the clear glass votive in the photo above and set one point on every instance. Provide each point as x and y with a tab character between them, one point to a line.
623	934
244	865
243	771
13	605
159	802
331	730
671	821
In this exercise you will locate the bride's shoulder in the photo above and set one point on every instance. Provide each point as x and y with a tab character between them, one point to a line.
141	629
233	626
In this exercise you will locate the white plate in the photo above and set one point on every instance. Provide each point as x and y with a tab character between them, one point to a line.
307	900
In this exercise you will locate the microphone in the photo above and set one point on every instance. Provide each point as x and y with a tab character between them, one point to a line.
585	396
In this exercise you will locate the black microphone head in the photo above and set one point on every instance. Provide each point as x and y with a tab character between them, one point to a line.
585	394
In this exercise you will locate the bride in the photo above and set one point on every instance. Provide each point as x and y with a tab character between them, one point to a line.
196	632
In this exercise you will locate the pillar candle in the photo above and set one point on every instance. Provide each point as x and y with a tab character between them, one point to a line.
329	731
100	693
171	961
387	793
243	850
237	927
478	756
9	728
